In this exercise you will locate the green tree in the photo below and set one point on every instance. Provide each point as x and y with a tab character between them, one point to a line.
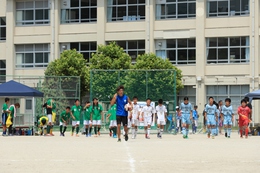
155	82
107	57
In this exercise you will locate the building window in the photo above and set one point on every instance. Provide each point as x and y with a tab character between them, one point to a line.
227	50
173	9
2	71
178	51
32	55
133	48
187	91
2	28
125	10
78	11
85	48
28	104
32	13
235	92
228	8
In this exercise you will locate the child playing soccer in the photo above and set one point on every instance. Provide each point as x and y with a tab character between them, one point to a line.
178	119
195	117
244	115
148	114
211	116
5	111
161	113
76	111
186	110
43	125
135	117
228	116
64	119
96	111
112	117
87	119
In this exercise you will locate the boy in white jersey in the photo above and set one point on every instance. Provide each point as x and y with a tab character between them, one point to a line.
161	113
186	110
148	114
211	117
228	115
135	117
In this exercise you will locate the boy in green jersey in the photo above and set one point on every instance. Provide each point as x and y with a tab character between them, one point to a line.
112	117
96	112
87	119
64	119
76	111
5	111
12	110
49	107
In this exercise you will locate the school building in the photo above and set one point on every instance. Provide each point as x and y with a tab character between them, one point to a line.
214	42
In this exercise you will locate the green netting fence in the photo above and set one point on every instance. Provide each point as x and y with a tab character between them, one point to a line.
153	84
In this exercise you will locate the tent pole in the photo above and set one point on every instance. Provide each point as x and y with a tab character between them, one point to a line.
33	100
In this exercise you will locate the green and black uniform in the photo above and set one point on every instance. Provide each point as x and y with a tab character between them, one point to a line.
11	109
64	116
86	117
96	115
76	111
112	117
4	114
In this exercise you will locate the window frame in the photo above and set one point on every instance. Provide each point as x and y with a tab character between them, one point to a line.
2	26
3	77
34	21
228	47
33	52
90	51
177	15
127	17
80	9
229	12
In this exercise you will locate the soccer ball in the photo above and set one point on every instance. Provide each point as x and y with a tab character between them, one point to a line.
128	108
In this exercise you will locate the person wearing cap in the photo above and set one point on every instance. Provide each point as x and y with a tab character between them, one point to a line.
195	117
178	119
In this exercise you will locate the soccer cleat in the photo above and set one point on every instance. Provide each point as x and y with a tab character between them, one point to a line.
184	136
148	137
228	137
61	134
208	135
95	135
52	134
133	137
114	136
225	134
72	134
110	134
126	137
213	137
98	133
89	135
77	135
145	135
119	140
241	137
158	135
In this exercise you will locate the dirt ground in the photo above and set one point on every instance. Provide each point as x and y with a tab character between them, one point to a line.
104	154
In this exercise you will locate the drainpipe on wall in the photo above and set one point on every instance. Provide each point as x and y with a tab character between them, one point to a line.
52	29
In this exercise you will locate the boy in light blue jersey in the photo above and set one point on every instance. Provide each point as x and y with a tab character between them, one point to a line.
195	117
228	114
186	110
217	121
211	117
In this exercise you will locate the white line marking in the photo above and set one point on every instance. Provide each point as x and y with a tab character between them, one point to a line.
131	160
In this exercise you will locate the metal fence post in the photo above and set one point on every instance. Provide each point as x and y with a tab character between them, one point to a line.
91	93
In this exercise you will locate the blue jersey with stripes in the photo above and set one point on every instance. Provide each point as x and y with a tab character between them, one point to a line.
211	109
121	101
186	108
227	111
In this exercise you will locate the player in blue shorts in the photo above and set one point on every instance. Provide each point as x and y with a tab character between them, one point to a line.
186	110
211	117
228	114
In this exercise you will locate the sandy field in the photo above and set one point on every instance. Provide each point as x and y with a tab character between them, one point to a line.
38	154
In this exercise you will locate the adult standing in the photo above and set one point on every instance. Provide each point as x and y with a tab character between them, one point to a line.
12	110
121	114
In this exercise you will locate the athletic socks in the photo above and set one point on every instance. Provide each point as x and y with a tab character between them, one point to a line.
225	130
184	131
48	129
77	129
133	131
90	130
161	132
61	129
86	131
229	132
95	130
246	131
148	131
195	129
213	131
64	130
136	131
241	132
98	129
73	128
187	132
115	129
